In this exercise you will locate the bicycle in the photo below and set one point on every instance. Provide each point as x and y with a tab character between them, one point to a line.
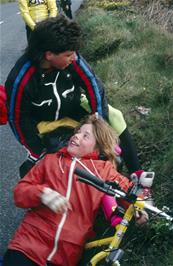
113	253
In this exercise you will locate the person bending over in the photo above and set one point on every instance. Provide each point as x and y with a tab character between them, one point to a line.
62	210
46	85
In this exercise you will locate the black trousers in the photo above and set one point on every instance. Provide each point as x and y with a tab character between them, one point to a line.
17	258
129	152
66	6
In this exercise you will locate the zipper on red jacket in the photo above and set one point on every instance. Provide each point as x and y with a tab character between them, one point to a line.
64	216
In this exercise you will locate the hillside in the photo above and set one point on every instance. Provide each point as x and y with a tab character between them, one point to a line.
156	11
132	52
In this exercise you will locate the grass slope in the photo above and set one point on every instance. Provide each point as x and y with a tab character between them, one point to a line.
134	59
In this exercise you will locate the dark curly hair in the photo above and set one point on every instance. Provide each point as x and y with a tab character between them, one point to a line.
57	35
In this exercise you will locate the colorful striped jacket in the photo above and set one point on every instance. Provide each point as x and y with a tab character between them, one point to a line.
34	96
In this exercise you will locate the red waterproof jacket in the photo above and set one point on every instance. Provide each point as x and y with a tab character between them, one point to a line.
42	229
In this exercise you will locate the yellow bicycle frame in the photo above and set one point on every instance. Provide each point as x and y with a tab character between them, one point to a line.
120	229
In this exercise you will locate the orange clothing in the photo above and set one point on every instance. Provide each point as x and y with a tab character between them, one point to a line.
42	230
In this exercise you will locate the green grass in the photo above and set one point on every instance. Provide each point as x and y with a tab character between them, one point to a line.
139	64
134	59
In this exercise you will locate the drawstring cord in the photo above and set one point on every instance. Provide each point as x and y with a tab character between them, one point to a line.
60	164
86	168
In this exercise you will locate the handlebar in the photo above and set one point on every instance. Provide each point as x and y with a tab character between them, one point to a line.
94	181
88	178
101	185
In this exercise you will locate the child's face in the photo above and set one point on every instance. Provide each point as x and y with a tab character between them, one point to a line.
60	61
82	142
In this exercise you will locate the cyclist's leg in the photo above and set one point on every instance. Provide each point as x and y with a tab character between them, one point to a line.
58	4
14	257
69	11
129	152
66	6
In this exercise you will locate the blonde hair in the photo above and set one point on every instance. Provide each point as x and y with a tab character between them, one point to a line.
106	139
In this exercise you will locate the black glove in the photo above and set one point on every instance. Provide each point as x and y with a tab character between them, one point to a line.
25	167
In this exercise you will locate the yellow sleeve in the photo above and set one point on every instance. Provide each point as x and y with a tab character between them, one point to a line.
116	117
116	120
23	7
53	11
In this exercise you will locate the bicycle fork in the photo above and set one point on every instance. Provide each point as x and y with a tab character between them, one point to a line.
113	254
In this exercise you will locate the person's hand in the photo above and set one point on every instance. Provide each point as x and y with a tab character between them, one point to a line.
144	178
141	218
54	200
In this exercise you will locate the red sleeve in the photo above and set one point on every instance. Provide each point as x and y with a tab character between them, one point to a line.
28	190
112	175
